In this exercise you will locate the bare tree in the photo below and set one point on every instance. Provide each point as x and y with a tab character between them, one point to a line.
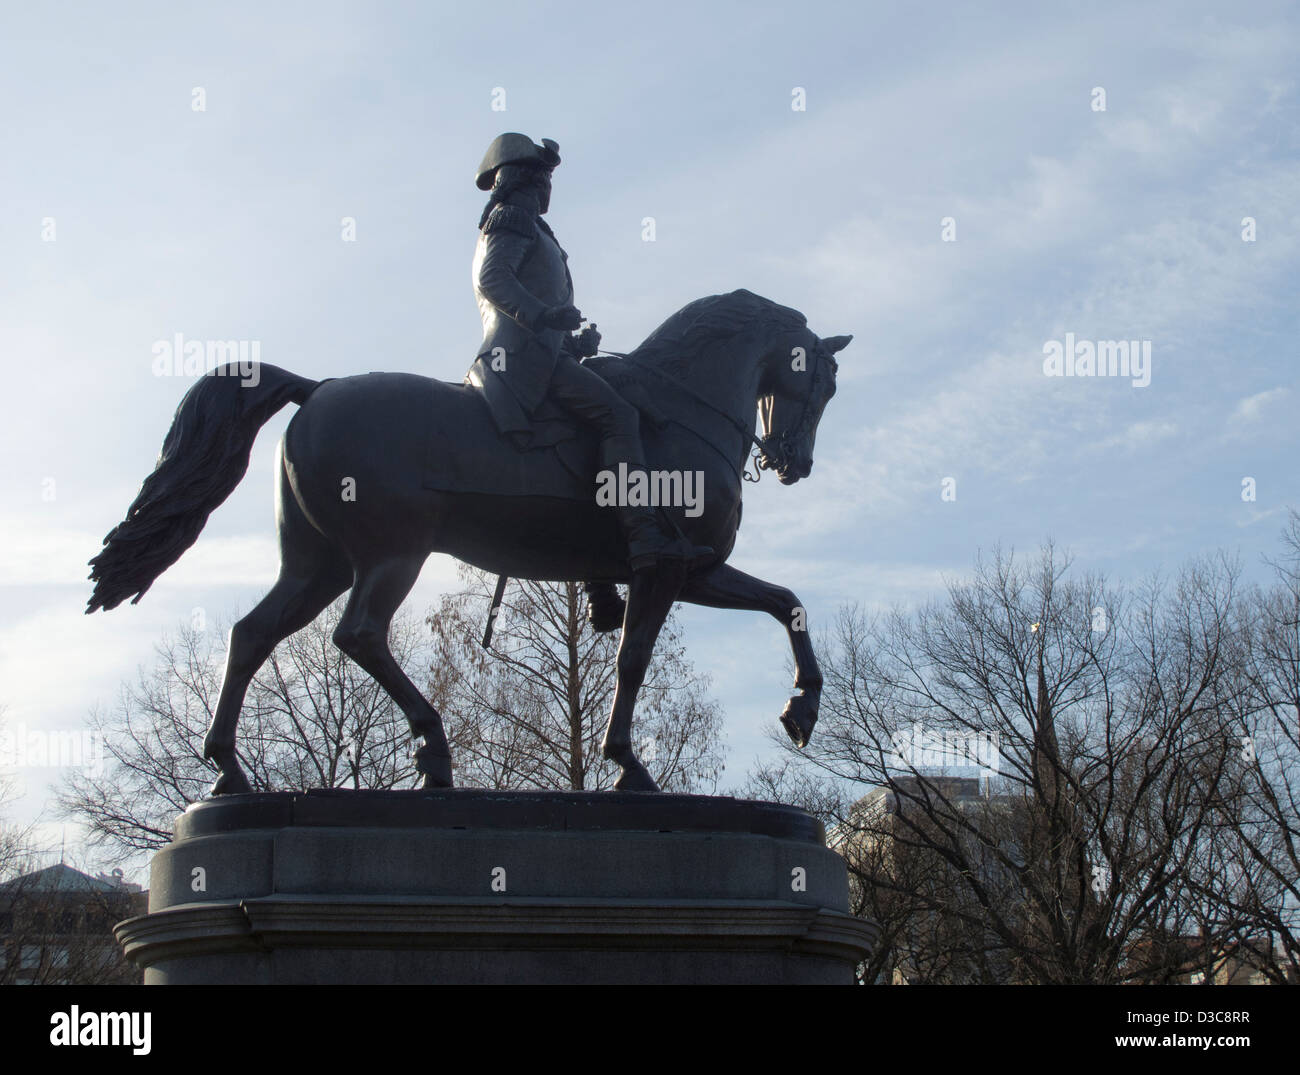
311	719
1097	727
1257	837
531	712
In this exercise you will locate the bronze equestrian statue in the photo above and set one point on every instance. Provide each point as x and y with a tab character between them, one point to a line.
379	470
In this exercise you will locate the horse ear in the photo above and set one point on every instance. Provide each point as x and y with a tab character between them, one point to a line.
835	344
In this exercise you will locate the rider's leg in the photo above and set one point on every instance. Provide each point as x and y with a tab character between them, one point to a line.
589	397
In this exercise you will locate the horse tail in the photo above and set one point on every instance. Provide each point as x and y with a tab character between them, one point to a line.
203	458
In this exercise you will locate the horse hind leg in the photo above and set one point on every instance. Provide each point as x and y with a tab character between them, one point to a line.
363	635
313	573
296	599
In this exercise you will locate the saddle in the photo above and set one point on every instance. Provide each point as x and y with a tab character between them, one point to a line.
469	455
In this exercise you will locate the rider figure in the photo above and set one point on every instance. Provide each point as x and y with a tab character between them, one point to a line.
525	298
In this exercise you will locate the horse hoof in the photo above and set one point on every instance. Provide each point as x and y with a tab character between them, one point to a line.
798	719
231	782
635	777
435	768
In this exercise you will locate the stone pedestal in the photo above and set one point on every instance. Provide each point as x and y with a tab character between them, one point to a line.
467	886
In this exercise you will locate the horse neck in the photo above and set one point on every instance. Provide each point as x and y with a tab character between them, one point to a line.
729	377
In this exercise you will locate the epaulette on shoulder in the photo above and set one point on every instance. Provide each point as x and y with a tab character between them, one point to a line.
512	218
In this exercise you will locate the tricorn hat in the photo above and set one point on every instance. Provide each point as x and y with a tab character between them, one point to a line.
515	149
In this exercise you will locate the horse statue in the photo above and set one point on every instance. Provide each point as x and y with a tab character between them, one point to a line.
377	471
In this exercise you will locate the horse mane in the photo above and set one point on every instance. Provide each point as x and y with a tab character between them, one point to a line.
682	340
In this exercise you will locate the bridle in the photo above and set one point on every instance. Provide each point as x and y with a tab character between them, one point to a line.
773	451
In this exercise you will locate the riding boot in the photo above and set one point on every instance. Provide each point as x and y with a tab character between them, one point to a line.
648	539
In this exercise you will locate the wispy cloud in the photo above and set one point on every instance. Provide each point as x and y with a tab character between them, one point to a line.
1250	412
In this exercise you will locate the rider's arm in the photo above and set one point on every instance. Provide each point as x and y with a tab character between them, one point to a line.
499	278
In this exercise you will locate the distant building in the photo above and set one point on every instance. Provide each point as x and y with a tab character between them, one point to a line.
56	928
958	790
869	843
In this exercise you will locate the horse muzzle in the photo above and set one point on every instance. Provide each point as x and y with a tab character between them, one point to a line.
793	471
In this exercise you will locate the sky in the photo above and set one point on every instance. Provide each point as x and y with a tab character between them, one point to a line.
955	185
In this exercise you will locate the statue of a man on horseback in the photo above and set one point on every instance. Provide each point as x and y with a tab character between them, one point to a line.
525	298
436	474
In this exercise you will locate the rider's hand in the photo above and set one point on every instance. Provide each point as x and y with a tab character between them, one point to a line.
562	317
587	342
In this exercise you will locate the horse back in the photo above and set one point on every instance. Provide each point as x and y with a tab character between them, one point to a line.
408	438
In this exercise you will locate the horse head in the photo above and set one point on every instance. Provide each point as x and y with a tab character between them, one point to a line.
798	381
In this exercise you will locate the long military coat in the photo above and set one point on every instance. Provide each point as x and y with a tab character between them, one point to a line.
519	270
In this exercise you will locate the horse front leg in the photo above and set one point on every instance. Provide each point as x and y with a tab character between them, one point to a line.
650	597
725	587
